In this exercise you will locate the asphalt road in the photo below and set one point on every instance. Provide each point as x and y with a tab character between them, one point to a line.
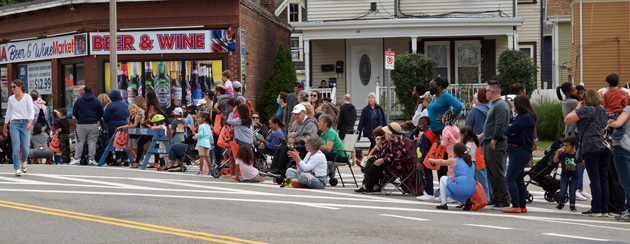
81	204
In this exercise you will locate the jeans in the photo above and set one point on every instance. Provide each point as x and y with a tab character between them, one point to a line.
571	182
86	133
616	134
580	170
427	180
496	172
177	151
218	151
482	177
20	139
519	157
597	169
622	164
309	182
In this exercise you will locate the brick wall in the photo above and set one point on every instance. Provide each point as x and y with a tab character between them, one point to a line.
262	39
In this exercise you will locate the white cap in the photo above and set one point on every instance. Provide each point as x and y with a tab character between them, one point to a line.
178	111
298	108
201	102
426	94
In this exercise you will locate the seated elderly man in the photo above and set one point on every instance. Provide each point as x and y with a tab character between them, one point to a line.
302	127
311	171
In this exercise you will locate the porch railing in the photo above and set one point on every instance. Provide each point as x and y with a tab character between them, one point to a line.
327	92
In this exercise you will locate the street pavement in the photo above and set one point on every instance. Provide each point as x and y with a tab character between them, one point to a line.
82	204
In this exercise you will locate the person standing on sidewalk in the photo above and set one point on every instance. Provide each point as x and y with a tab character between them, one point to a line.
347	116
20	113
88	111
496	143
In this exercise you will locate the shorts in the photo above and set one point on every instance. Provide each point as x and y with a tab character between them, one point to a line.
133	143
204	151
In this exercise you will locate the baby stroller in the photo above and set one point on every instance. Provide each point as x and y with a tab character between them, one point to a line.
191	155
6	149
544	173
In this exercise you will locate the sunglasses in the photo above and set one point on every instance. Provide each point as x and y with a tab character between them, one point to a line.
255	117
298	86
13	87
313	95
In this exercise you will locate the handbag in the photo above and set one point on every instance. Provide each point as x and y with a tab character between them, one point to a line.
436	152
217	124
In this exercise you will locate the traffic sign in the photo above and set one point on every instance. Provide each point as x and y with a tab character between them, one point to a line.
389	60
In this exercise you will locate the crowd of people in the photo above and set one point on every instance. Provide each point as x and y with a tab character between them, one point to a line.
492	148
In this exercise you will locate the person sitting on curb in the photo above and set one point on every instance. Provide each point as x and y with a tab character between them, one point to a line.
311	171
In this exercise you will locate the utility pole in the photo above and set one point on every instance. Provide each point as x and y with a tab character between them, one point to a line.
113	41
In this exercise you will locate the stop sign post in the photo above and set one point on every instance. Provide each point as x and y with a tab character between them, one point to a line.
389	66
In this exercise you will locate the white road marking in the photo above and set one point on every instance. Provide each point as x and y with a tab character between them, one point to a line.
21	180
96	182
403	217
490	226
576	237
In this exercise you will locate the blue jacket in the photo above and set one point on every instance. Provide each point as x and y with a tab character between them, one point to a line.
365	122
116	112
439	107
273	140
477	117
87	109
523	130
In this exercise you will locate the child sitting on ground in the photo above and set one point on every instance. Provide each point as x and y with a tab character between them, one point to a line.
244	169
39	144
569	175
615	100
204	143
63	133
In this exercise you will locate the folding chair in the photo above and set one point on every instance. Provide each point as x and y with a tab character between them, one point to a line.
349	143
403	174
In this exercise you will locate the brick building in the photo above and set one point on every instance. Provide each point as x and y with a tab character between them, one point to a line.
57	45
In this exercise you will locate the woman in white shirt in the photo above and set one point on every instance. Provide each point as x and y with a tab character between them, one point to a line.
312	170
20	113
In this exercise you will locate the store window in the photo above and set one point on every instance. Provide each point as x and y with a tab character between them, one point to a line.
439	51
73	76
468	63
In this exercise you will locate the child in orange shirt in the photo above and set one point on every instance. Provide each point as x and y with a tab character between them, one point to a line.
615	100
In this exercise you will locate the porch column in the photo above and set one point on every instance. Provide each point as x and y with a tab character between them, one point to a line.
414	44
307	62
511	42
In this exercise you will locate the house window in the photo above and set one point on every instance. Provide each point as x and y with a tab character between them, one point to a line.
296	47
467	61
294	12
527	1
440	52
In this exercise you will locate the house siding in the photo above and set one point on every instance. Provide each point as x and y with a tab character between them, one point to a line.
530	32
564	45
349	9
328	52
605	41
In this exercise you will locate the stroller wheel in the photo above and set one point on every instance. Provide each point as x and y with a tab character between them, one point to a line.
549	196
333	182
557	198
216	173
530	198
278	180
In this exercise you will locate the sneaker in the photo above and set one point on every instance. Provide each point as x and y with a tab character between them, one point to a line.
625	216
560	206
18	172
373	192
92	162
425	197
199	173
443	207
360	190
579	196
265	170
573	209
75	162
607	144
501	206
586	195
592	214
24	165
286	182
275	173
511	210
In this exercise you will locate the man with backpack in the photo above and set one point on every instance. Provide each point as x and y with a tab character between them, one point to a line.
88	111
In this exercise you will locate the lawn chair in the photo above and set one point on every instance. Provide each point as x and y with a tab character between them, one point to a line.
348	144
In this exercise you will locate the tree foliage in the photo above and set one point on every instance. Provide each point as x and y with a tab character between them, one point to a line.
281	80
411	69
9	2
516	67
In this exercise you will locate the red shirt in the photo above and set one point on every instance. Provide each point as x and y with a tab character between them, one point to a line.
615	100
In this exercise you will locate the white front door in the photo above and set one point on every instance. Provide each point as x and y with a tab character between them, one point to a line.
365	69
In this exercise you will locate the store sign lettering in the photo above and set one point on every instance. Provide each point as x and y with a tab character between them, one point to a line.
47	48
149	42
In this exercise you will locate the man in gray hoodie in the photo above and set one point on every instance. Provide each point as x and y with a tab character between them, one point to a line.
302	127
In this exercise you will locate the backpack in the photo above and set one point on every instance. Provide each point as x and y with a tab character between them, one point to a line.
249	104
41	118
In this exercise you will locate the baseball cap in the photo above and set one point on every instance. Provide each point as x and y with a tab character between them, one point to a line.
157	118
298	108
300	82
218	82
178	111
426	94
236	84
201	102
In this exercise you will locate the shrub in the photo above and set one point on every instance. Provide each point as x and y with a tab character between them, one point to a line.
550	124
515	67
281	80
410	69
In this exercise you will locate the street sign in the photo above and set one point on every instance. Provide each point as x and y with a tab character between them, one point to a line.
389	60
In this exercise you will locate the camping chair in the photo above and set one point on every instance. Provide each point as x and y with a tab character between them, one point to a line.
348	143
402	174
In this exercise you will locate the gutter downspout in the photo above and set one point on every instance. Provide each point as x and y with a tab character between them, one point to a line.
556	52
581	49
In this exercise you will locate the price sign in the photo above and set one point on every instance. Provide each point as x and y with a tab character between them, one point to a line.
39	76
389	60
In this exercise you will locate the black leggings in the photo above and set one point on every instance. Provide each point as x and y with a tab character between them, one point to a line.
140	151
373	173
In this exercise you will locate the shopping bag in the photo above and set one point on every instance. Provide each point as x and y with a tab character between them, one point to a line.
120	140
217	124
54	144
437	151
224	137
480	162
478	199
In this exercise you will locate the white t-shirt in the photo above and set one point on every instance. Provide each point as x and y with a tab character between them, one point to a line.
472	150
248	171
22	109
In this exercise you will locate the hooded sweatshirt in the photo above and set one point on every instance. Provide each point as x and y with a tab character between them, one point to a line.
347	118
304	128
87	109
116	112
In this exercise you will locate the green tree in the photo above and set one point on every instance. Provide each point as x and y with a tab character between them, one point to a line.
411	69
281	80
9	2
516	67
